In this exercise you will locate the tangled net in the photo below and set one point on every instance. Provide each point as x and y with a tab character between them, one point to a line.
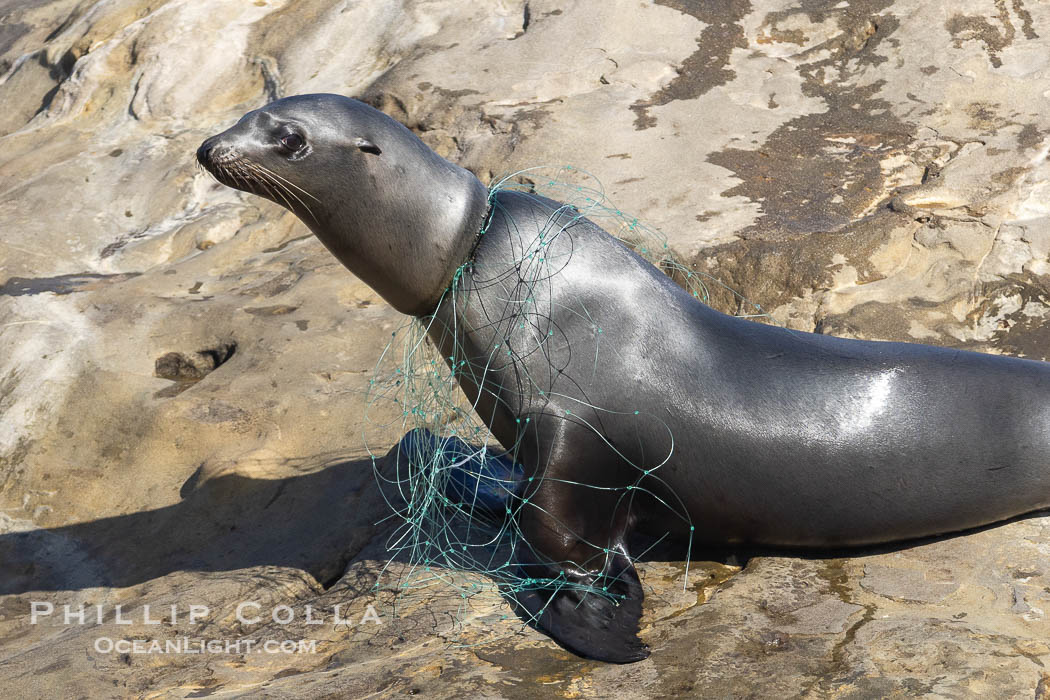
454	493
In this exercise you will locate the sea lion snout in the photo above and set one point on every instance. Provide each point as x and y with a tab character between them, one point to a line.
215	151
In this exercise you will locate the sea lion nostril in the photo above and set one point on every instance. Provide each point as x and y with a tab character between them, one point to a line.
207	150
213	153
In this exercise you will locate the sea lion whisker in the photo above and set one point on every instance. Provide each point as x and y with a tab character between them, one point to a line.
270	190
250	175
271	176
285	181
266	186
248	178
239	175
244	177
261	173
280	193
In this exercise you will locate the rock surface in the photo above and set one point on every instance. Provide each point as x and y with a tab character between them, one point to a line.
182	367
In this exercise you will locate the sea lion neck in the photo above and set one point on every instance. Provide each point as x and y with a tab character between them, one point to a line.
406	235
398	215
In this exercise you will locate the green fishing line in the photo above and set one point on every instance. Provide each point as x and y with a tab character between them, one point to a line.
455	495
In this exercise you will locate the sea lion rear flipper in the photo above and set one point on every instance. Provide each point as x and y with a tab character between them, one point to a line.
597	625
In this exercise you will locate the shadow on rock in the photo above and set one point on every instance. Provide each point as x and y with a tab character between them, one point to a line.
316	522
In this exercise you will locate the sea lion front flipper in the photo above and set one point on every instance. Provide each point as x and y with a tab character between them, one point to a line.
597	625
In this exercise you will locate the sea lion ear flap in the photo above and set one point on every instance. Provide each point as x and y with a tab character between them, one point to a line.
588	623
367	146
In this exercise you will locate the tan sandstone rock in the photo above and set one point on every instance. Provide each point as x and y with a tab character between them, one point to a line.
183	367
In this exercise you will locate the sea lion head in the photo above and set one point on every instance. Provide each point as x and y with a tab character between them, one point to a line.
395	213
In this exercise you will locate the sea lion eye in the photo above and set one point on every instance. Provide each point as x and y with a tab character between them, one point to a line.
293	142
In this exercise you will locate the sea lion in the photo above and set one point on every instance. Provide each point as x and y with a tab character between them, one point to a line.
629	403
